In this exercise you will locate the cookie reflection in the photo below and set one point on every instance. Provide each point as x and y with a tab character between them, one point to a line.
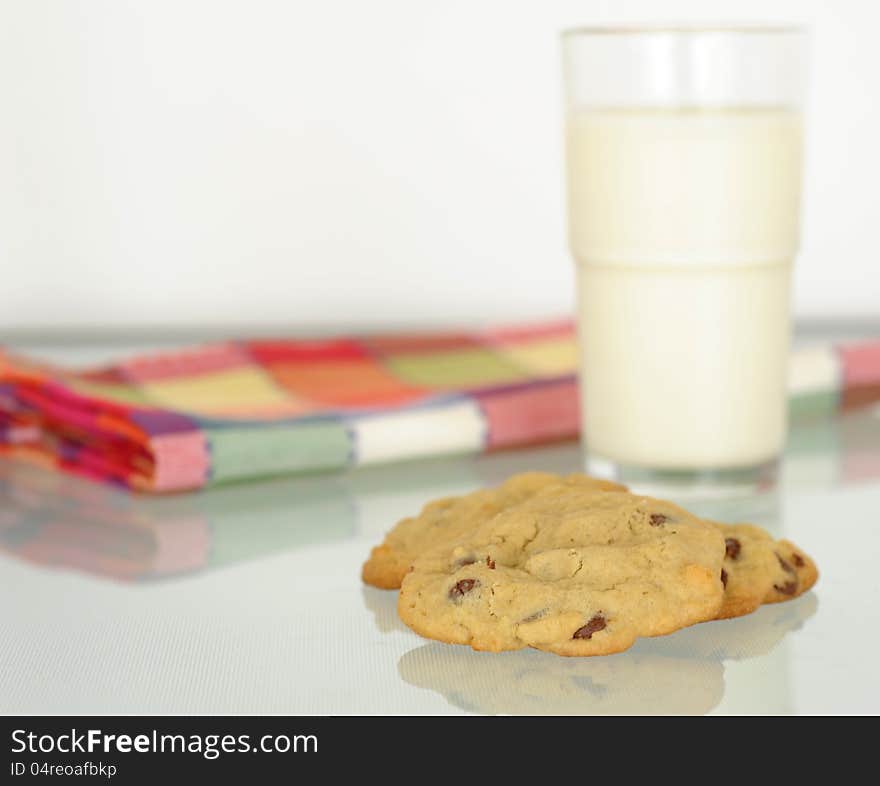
751	636
528	682
383	604
680	674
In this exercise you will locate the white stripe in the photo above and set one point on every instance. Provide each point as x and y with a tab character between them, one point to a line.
458	427
814	369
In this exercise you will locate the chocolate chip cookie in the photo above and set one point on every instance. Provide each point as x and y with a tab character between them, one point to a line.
570	570
446	520
758	569
755	571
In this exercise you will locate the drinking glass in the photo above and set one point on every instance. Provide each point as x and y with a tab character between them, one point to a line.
684	180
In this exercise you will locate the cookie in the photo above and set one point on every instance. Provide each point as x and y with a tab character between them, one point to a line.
449	519
570	570
758	569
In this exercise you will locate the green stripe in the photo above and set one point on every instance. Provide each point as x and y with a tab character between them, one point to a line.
809	406
462	368
819	437
265	519
250	452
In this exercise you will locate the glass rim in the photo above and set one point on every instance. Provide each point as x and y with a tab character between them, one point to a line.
734	29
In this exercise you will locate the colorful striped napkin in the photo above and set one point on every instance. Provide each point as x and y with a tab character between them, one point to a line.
246	409
61	521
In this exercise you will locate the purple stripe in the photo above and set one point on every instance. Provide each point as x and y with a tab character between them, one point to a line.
158	422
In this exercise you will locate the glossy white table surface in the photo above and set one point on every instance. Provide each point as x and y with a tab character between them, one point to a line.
247	599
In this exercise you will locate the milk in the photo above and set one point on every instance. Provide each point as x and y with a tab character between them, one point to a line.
684	226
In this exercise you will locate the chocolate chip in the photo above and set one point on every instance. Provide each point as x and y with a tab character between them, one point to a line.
732	547
462	588
798	560
596	624
789	588
724	577
786	566
490	563
656	520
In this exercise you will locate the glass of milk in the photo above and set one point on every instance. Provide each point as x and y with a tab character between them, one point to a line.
684	179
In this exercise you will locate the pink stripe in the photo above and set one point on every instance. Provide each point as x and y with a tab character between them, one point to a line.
172	365
533	414
522	335
861	364
19	435
861	467
181	545
181	461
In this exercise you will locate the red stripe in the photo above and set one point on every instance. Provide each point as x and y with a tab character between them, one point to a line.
267	352
425	342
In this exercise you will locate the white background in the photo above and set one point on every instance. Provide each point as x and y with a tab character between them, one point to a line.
341	163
